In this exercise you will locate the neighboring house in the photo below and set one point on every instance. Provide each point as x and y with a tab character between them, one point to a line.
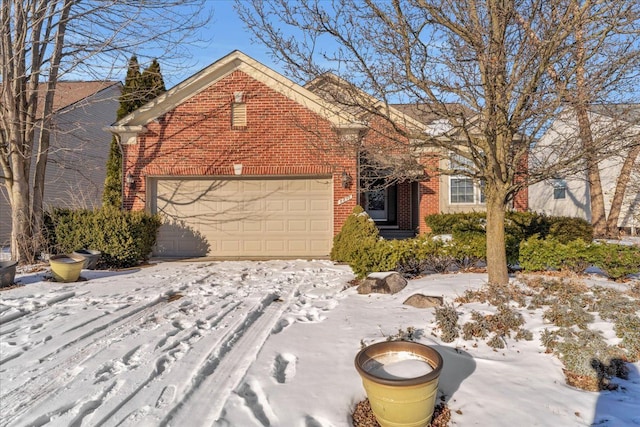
615	126
79	149
242	162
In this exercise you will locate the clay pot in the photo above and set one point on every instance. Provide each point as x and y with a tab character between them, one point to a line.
401	381
66	268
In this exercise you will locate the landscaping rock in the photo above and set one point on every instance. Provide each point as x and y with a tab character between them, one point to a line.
389	282
424	301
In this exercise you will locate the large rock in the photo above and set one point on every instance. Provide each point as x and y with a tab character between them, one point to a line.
389	282
423	301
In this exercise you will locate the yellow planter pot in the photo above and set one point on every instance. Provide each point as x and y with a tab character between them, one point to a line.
66	268
401	381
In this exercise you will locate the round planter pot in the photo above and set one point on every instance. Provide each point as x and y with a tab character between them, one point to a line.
90	256
401	381
7	272
66	268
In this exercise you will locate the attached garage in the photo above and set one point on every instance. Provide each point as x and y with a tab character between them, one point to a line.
243	217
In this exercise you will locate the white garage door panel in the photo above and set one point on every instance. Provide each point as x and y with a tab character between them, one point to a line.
245	217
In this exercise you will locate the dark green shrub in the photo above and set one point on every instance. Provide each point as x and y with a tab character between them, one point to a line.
617	261
523	225
417	254
468	251
125	238
383	255
444	223
566	229
358	235
539	255
576	256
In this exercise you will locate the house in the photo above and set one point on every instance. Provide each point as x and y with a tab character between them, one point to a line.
76	166
242	162
617	128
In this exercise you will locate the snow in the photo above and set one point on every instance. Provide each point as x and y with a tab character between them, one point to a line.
269	343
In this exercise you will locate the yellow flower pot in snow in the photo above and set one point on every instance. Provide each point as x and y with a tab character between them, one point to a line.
66	268
401	381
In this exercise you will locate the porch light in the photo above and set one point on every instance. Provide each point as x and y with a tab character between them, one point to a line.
345	179
130	180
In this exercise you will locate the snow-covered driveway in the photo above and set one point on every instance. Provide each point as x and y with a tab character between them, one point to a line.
162	345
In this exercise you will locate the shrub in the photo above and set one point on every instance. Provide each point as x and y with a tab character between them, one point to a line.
617	261
383	255
468	251
125	238
576	255
566	229
539	255
357	236
418	254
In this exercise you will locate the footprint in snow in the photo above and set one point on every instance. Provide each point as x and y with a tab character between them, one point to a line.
284	367
166	396
281	326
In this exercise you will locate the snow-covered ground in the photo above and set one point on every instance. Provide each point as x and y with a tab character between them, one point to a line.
257	344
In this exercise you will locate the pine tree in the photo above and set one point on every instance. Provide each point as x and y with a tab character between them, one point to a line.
152	81
139	88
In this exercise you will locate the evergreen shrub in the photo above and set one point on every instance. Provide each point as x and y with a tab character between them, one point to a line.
566	229
617	261
125	238
539	255
358	236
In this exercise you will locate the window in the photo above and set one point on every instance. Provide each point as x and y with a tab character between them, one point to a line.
464	189
559	189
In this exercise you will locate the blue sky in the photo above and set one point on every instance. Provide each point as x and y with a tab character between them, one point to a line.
223	34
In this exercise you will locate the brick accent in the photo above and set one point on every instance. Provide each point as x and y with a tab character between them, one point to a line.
282	138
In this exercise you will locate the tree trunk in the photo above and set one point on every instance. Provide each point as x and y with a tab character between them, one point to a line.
621	185
598	216
496	248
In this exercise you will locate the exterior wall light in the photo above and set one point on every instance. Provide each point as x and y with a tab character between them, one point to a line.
345	179
130	180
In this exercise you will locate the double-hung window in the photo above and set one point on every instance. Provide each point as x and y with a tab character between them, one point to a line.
462	188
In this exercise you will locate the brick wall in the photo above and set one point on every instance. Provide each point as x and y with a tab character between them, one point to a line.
282	138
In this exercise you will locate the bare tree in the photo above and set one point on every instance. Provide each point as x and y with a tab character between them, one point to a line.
43	41
504	66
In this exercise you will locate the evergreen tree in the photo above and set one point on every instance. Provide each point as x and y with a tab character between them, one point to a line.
152	81
139	88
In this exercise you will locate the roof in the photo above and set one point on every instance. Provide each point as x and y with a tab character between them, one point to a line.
627	112
236	60
70	92
427	114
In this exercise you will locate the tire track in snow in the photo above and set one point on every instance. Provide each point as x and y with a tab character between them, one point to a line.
223	372
47	382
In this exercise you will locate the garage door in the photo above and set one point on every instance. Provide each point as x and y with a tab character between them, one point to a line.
244	217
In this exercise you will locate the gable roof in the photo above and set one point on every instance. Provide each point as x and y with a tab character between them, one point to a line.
234	61
341	92
71	92
627	112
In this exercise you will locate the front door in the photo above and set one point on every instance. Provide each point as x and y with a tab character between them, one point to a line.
377	204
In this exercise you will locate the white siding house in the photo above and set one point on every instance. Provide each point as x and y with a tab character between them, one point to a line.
76	166
616	127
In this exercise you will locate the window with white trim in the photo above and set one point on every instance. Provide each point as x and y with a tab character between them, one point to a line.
464	189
